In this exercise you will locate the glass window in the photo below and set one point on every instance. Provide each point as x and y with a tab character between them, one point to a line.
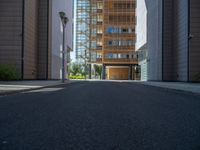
110	55
120	42
99	55
115	55
110	43
99	29
99	5
99	18
115	42
110	30
124	30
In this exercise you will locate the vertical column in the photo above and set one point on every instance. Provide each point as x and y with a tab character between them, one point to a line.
43	40
90	71
130	72
103	72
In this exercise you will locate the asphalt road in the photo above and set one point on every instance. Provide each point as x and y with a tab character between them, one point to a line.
100	116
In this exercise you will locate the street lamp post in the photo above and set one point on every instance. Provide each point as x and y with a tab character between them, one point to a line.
64	21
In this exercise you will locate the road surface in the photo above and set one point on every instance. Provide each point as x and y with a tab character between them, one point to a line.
100	116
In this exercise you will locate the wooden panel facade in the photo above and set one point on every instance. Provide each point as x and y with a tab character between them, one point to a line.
24	36
30	39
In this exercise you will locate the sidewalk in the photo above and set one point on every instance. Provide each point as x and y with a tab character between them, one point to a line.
12	87
181	86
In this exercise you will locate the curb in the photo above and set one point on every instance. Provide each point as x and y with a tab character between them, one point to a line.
172	89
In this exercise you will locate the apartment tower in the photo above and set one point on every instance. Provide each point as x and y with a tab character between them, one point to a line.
109	33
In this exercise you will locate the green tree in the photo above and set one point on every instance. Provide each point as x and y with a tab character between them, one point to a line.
98	70
75	69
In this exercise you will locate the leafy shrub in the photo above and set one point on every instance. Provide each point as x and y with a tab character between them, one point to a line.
98	70
8	73
77	77
197	77
75	69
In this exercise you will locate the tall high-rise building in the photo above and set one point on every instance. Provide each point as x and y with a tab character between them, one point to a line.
31	36
82	27
106	36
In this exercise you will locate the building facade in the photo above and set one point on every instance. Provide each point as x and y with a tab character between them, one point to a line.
82	28
173	40
141	38
108	29
28	40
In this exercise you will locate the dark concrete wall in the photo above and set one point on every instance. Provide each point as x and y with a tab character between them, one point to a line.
181	39
194	52
168	38
43	39
11	33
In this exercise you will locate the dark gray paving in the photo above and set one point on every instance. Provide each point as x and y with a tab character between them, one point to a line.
100	116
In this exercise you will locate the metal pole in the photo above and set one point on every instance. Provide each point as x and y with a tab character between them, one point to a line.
63	56
85	66
89	70
103	72
67	69
64	20
135	75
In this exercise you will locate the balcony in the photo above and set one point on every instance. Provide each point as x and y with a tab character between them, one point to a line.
120	50
99	11
120	61
97	61
118	34
98	48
